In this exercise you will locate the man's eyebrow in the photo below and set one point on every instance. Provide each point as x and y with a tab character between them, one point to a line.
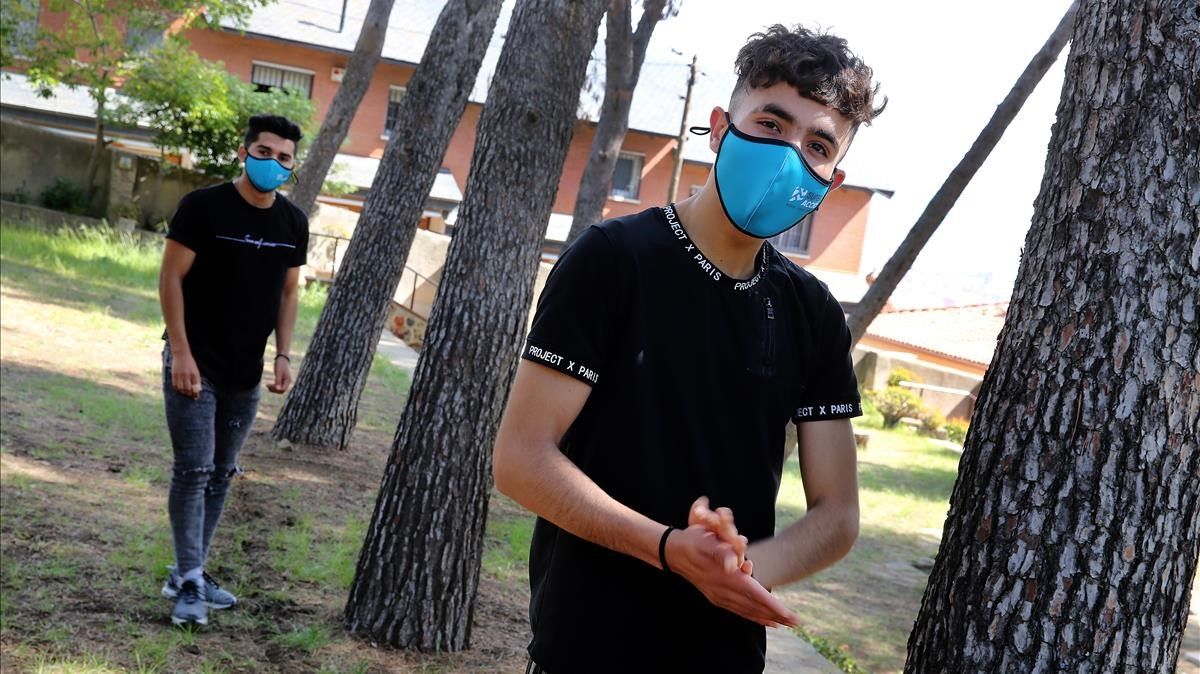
826	136
779	112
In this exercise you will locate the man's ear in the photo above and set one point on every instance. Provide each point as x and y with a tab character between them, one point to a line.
717	121
241	153
839	177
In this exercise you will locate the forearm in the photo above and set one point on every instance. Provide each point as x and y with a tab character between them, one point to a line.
170	297
549	484
823	536
286	322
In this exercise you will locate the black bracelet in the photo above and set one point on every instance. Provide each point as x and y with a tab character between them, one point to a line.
283	356
662	549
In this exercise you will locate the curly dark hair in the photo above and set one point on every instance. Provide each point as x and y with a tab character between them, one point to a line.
277	124
819	65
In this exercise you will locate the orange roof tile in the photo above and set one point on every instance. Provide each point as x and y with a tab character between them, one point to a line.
967	332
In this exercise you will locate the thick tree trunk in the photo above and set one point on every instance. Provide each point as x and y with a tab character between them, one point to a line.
624	52
354	85
931	218
1074	527
322	408
418	571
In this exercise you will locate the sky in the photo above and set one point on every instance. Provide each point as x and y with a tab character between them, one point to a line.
944	66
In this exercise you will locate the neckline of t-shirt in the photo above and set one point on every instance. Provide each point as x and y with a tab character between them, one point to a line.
254	209
701	261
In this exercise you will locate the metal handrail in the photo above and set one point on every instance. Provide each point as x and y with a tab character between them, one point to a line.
417	276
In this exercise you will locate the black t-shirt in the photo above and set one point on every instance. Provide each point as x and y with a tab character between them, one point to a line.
694	378
232	292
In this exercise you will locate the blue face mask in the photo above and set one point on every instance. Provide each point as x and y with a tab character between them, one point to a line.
764	185
266	175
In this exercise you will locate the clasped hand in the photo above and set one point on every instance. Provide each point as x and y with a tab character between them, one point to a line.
711	555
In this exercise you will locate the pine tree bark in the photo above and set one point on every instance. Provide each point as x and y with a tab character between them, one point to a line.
418	572
624	53
931	218
1074	526
322	408
341	111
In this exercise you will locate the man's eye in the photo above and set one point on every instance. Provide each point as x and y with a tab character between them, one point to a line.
769	124
819	149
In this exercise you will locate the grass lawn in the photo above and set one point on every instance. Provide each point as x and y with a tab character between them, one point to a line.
866	604
84	468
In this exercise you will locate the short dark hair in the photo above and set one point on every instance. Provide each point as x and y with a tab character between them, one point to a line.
819	65
277	124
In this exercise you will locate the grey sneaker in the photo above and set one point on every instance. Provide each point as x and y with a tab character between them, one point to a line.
215	597
189	607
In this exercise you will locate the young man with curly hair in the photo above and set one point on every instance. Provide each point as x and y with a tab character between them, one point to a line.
229	278
669	351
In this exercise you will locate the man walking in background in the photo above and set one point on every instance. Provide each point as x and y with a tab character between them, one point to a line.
230	273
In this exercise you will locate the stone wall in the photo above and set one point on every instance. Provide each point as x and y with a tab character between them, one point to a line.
130	184
873	367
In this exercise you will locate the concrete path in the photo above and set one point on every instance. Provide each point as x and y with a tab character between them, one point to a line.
786	652
397	351
789	654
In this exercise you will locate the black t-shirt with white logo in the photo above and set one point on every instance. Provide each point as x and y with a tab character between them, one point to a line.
694	378
231	294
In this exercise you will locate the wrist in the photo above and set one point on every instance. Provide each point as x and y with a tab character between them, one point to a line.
283	356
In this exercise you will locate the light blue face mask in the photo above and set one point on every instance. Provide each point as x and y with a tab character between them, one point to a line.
765	185
266	175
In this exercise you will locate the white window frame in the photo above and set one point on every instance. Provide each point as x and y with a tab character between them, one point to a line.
392	88
312	74
802	231
640	158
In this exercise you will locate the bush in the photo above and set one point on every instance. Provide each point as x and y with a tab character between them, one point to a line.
933	423
956	430
65	195
899	374
895	403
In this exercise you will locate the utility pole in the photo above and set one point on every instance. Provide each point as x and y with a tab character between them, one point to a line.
687	106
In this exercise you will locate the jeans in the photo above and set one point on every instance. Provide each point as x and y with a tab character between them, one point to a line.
206	436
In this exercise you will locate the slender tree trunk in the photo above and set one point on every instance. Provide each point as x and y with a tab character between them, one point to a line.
624	52
98	147
677	165
902	260
418	571
322	408
345	103
1074	527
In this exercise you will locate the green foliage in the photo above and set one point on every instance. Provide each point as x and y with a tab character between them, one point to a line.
899	374
336	184
65	195
956	430
308	639
834	654
932	422
195	104
895	403
15	39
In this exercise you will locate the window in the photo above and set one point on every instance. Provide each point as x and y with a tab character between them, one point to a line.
395	95
142	39
266	77
627	176
795	240
22	18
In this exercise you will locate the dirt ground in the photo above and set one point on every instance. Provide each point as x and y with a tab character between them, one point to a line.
85	466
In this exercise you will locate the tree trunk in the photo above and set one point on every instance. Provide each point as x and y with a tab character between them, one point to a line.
418	571
322	408
98	147
902	260
354	85
624	52
1074	526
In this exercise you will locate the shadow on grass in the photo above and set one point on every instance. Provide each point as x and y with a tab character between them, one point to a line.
923	482
110	298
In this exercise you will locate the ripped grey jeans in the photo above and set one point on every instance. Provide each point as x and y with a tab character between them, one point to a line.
206	435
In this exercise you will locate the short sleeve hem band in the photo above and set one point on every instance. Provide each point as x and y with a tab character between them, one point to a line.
828	411
560	363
